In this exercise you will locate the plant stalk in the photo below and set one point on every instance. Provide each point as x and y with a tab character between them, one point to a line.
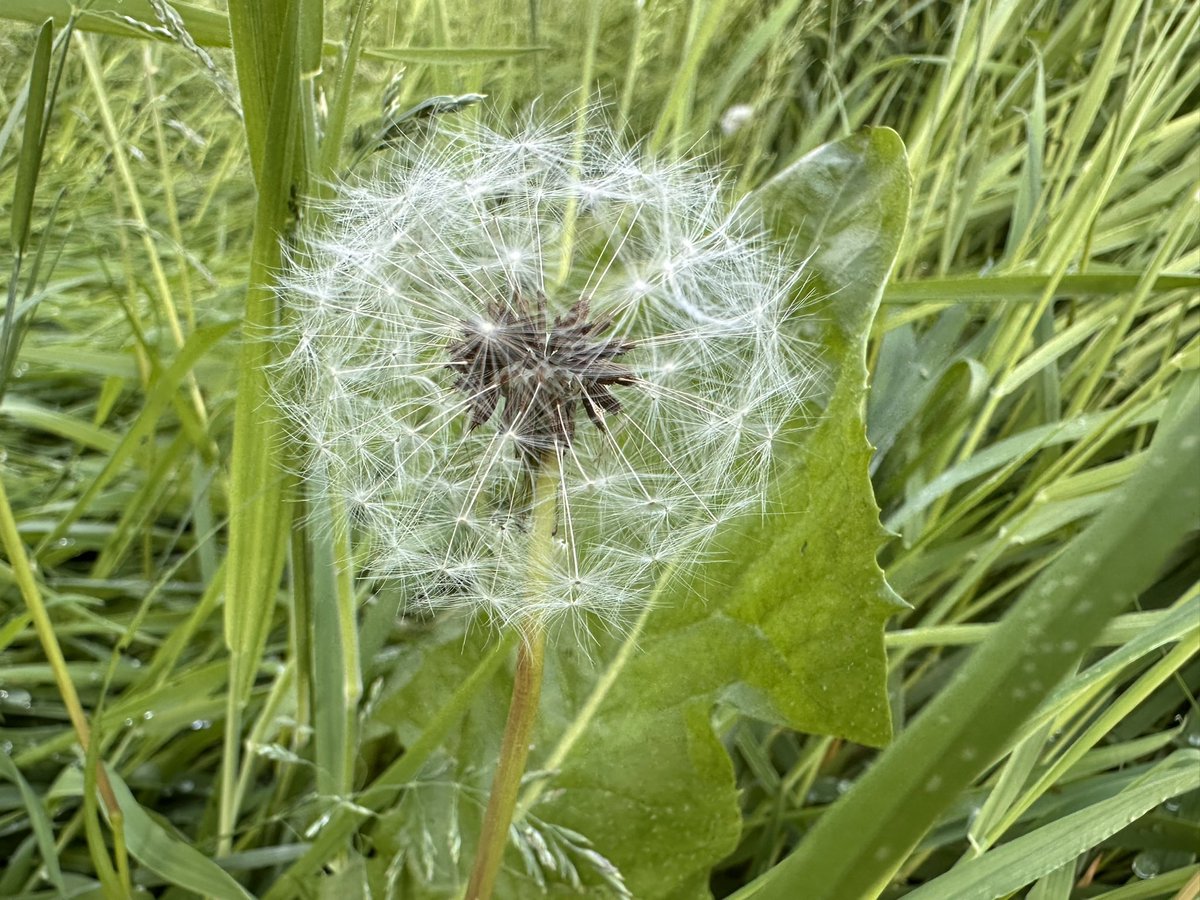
527	691
23	575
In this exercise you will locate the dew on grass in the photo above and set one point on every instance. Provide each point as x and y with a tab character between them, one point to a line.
1146	865
16	697
200	724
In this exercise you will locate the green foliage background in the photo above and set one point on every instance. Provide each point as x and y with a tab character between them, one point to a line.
998	205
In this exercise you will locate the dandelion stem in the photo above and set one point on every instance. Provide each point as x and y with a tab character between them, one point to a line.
526	692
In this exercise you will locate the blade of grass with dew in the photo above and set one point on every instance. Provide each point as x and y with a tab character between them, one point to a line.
973	720
987	830
1027	858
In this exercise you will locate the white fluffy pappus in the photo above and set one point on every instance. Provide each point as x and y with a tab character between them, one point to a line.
469	230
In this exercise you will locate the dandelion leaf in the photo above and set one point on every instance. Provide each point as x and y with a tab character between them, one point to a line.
788	623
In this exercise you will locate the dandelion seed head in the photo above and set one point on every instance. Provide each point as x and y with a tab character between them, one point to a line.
482	298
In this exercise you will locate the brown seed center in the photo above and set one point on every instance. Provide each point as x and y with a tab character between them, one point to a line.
542	371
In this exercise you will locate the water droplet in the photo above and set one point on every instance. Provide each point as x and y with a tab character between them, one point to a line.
17	697
148	715
1146	865
201	724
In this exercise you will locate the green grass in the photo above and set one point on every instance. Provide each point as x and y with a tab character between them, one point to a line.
1032	402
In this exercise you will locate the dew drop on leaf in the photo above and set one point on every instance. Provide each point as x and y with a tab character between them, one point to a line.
1146	865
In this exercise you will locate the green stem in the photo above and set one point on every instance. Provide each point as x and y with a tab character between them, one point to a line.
23	575
527	690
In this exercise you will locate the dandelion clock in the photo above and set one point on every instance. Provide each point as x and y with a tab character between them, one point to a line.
539	370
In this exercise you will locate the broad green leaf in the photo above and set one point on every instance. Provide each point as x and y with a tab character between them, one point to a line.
974	719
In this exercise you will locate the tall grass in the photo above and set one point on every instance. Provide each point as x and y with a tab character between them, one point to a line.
269	724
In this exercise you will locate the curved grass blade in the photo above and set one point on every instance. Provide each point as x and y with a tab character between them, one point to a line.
177	862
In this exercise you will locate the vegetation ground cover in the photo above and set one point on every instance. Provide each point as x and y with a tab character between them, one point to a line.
1021	179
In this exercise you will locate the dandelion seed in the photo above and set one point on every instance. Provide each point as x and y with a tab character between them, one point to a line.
482	300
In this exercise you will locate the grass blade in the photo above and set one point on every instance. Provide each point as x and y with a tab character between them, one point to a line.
1029	857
